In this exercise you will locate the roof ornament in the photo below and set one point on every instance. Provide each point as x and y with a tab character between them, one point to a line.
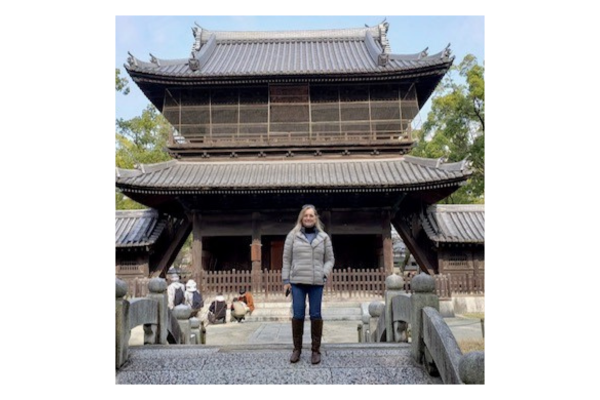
423	54
197	31
440	161
385	43
383	59
132	60
193	62
466	164
447	51
154	60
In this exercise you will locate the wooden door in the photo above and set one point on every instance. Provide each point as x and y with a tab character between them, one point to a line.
276	255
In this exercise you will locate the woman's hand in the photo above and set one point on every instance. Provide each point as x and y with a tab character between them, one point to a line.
287	286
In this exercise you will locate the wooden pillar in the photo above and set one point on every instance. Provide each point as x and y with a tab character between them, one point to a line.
388	248
325	217
197	267
256	252
326	220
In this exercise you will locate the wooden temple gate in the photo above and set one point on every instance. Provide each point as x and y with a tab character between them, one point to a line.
250	148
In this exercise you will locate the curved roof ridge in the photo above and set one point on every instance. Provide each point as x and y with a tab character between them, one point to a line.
296	35
136	213
444	54
438	163
425	162
457	207
144	168
407	57
154	62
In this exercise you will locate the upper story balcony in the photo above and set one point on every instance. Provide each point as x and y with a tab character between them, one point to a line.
270	119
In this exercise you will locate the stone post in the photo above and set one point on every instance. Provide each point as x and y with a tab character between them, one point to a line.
194	330
202	333
121	323
183	312
423	286
394	285
376	309
157	290
471	368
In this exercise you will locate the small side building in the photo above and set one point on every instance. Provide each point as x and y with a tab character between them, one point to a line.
143	241
457	235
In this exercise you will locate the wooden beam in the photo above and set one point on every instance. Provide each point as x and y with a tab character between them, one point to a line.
386	236
176	243
424	258
197	266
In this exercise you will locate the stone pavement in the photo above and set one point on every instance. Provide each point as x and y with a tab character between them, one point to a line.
278	332
257	353
269	365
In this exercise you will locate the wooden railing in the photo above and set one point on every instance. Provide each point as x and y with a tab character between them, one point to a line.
447	285
343	283
298	138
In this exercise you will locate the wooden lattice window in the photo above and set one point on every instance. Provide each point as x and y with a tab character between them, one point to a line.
458	261
130	268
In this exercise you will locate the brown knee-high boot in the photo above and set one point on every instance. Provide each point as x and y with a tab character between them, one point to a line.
316	331
297	331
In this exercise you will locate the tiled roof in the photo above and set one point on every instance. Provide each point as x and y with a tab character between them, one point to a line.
135	228
408	172
339	51
462	223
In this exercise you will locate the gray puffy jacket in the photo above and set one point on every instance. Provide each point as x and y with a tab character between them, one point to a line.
304	262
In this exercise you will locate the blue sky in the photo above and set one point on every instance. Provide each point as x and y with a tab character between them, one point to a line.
171	37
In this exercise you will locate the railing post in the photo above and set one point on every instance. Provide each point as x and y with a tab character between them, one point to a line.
471	368
182	312
202	333
482	327
121	323
376	308
194	330
393	287
157	290
423	287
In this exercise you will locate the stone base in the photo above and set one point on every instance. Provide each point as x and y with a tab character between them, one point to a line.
461	304
468	304
447	308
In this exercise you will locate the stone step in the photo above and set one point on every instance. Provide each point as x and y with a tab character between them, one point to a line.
269	364
333	311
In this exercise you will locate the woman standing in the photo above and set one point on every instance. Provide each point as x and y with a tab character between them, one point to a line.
307	263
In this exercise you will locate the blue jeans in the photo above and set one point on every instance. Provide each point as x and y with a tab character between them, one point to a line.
315	296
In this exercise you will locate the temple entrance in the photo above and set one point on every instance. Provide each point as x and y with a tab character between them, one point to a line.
226	253
272	252
357	251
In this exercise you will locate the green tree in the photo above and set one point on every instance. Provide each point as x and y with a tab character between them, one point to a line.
140	140
455	127
121	83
